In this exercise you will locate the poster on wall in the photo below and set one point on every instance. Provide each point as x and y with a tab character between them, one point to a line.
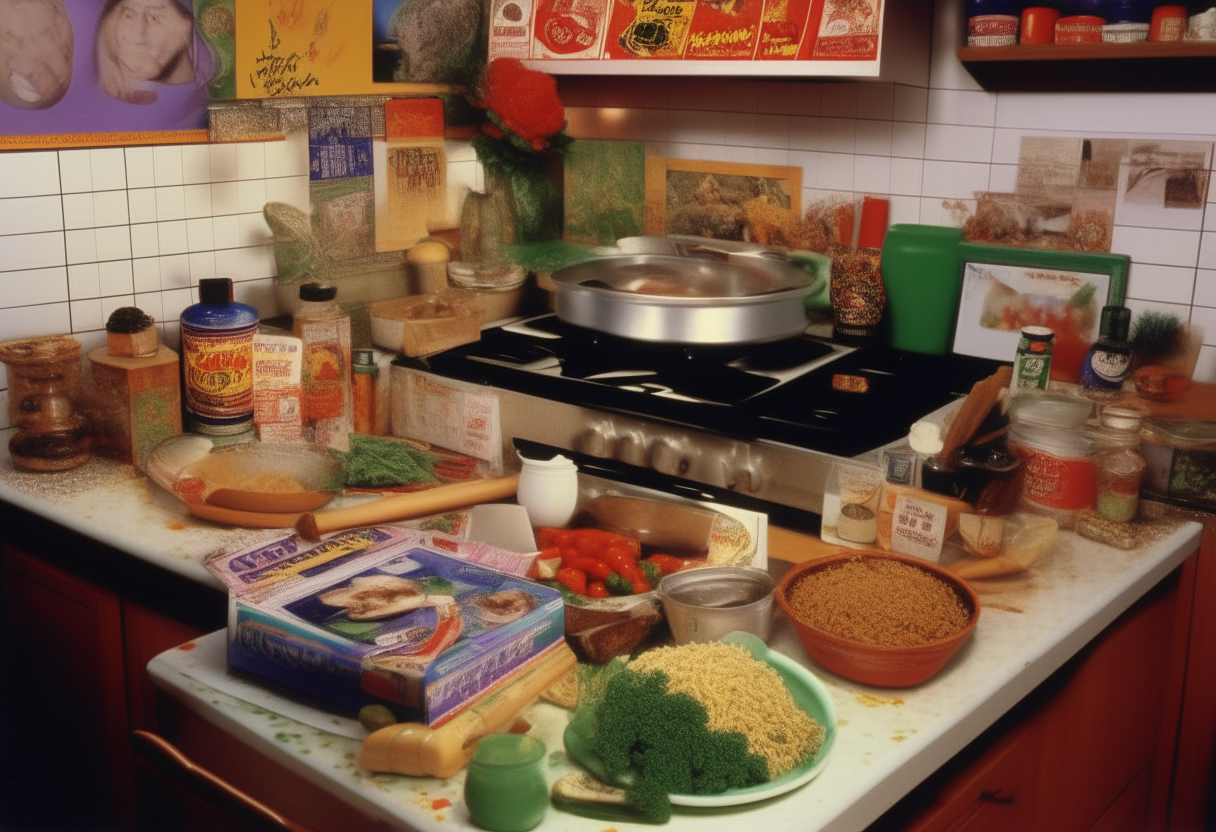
428	41
76	72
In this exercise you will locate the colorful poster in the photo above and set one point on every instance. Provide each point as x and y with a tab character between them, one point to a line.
510	29
569	29
648	28
428	41
339	142
724	30
290	48
411	172
71	69
782	28
846	30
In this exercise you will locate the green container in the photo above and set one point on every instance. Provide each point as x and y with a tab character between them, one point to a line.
922	276
504	787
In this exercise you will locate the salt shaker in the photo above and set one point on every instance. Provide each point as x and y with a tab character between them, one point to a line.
548	489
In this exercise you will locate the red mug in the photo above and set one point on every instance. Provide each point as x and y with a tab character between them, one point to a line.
1039	24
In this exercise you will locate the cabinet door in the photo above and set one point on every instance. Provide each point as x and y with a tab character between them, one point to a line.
146	634
63	728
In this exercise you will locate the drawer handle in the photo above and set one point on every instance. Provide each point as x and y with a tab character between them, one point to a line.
994	797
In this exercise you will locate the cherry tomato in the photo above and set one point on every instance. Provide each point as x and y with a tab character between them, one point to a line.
574	580
596	589
667	563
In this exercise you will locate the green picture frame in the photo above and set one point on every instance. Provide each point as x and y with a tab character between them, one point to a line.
1004	289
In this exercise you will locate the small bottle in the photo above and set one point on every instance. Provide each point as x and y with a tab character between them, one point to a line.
363	391
1119	465
1032	362
1108	360
325	330
217	360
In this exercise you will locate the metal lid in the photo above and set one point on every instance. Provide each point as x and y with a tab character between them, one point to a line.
317	292
688	279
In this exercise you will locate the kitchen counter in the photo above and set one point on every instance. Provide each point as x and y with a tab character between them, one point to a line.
888	742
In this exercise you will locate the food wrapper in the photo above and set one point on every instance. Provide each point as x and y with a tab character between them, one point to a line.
1015	542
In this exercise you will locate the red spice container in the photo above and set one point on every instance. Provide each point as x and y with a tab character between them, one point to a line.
1079	28
1039	24
1168	24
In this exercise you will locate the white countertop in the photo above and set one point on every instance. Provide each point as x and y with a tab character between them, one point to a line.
888	740
887	743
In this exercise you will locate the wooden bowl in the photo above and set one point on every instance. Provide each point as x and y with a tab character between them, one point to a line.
892	667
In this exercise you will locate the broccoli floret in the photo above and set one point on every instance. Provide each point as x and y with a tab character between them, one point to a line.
663	739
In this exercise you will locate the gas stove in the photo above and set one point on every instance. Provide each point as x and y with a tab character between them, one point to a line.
755	425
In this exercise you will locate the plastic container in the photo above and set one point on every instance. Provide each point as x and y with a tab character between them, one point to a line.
504	787
921	273
1083	28
1059	476
992	22
1168	24
1038	24
1181	460
708	603
325	330
217	359
548	489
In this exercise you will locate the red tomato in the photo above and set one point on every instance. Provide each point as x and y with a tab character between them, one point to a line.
596	589
667	563
574	580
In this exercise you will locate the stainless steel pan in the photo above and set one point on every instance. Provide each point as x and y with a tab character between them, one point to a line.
710	296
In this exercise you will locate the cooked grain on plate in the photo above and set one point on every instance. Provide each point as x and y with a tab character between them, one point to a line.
880	602
740	694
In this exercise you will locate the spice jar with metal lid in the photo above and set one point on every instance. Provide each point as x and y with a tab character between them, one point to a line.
1048	433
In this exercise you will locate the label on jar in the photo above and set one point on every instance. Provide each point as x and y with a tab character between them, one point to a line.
1067	484
218	373
1105	368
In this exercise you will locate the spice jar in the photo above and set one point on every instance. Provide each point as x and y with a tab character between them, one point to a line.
1168	24
1059	477
1120	467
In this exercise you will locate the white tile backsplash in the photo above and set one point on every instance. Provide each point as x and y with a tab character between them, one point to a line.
29	174
141	169
806	99
33	287
109	168
840	100
1157	246
84	281
110	208
75	171
172	237
141	205
113	243
116	278
961	107
1205	288
171	203
31	214
81	246
1170	284
167	165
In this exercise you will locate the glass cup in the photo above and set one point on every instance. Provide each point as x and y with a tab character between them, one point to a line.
504	787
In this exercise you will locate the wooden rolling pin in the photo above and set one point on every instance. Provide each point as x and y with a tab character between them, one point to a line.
407	506
420	751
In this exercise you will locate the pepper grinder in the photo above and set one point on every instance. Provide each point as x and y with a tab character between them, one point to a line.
42	375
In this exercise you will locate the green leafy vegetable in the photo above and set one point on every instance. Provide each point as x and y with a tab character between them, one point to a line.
378	462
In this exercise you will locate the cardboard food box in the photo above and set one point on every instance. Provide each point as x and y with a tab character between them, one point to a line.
398	622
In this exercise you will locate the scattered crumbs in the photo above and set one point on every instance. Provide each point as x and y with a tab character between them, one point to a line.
215	701
325	744
283	736
189	645
177	525
440	803
439	816
898	738
871	701
305	750
842	722
1004	607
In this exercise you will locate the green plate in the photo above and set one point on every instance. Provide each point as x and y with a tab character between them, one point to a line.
808	692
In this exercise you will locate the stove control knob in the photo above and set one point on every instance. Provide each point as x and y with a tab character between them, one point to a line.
597	441
744	478
631	448
671	457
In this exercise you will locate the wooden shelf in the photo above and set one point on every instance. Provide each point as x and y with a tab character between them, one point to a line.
1183	66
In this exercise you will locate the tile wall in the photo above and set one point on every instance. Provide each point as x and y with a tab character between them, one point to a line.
85	231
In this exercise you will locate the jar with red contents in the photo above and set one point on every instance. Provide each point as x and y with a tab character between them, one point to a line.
1059	476
1119	465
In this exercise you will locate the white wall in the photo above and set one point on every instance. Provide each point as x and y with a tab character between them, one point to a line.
85	231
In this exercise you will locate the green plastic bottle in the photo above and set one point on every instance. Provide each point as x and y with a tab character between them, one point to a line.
921	275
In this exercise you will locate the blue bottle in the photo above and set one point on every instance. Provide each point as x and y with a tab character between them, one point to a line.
217	360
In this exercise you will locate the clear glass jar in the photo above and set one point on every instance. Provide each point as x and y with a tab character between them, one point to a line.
1048	433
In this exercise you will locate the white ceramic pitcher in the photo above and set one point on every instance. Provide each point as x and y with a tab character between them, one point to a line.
548	489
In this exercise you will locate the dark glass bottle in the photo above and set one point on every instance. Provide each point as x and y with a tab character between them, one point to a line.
1107	362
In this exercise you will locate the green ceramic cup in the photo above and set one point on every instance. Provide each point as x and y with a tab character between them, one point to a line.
505	786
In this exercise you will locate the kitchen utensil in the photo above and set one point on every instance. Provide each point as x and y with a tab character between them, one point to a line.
666	526
708	603
719	298
866	663
810	695
407	506
421	751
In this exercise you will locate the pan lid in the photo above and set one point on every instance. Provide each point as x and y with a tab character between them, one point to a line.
708	274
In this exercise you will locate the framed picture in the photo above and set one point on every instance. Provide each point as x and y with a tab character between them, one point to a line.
721	200
1005	289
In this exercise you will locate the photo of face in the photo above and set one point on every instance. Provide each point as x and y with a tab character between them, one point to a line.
36	45
140	42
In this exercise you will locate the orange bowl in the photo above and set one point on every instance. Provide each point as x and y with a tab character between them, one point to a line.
891	667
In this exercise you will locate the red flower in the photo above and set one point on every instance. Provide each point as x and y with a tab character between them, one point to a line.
525	100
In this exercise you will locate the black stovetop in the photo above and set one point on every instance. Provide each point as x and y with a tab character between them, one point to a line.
747	391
